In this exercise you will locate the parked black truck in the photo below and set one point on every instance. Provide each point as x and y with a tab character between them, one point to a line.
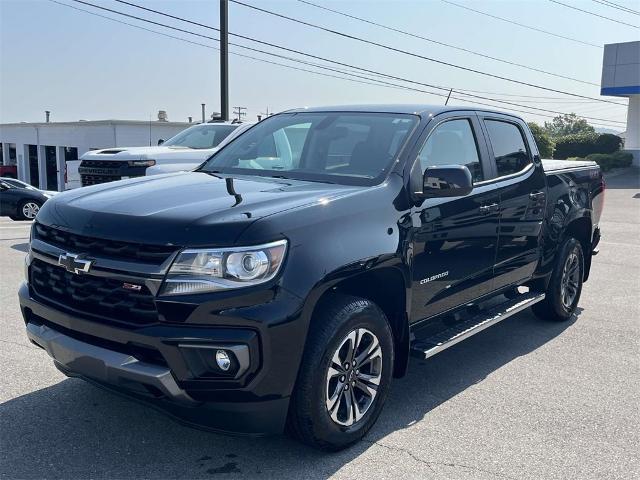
287	280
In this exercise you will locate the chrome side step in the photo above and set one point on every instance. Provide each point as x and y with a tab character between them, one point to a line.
429	346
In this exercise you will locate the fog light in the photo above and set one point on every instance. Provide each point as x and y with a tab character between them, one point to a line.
223	361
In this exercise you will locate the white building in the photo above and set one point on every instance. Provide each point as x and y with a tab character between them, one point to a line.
40	150
621	78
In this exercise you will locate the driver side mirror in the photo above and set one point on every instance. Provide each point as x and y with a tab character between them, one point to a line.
446	181
3	187
160	141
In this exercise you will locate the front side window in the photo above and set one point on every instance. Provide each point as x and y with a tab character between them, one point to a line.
351	148
201	136
509	147
452	143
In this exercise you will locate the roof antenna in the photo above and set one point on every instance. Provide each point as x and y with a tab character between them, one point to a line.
448	97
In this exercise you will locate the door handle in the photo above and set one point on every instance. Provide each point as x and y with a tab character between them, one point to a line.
486	209
536	195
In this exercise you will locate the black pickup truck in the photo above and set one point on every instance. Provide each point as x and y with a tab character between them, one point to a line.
285	282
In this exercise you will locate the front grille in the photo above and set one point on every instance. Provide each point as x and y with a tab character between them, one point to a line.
152	254
101	164
88	180
93	172
95	296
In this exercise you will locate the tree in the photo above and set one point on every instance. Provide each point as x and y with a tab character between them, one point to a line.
567	124
545	143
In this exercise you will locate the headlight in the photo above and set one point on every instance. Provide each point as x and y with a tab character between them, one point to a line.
209	270
142	163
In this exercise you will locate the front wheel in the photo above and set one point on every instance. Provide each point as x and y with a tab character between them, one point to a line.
565	286
28	209
345	374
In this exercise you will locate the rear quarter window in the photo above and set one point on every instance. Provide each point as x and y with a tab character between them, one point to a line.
509	147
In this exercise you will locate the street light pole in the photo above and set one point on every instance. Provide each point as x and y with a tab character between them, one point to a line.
224	59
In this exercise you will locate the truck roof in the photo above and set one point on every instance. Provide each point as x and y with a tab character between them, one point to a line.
417	109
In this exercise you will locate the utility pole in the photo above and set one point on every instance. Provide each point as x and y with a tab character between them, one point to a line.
267	113
224	59
240	112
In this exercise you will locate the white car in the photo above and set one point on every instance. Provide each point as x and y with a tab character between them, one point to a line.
189	147
186	166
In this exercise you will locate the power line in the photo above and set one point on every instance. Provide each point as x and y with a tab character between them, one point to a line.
379	73
594	14
319	6
617	6
351	66
437	42
385	84
522	24
373	82
316	57
377	82
399	50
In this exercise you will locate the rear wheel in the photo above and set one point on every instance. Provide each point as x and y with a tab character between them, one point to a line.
28	209
344	376
565	286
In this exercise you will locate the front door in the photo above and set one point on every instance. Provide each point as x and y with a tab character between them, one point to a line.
454	239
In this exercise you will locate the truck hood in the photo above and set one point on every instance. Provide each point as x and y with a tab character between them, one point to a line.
184	209
171	168
160	153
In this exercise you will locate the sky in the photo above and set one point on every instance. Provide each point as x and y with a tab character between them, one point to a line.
81	66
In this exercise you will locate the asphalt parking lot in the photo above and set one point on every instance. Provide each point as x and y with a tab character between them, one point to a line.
524	399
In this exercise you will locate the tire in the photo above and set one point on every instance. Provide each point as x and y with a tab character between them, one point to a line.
338	319
28	209
565	286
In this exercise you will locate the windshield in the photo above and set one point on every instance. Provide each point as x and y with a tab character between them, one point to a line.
201	136
351	148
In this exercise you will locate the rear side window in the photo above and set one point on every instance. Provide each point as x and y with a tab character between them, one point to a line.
509	147
452	143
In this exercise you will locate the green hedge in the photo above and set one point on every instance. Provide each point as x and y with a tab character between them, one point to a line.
581	145
608	143
607	161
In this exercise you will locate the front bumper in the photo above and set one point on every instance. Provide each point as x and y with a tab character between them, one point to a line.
147	364
103	365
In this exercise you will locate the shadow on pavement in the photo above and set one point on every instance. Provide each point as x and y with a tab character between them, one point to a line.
21	247
626	178
72	429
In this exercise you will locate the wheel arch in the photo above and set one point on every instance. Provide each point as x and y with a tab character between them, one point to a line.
580	229
386	286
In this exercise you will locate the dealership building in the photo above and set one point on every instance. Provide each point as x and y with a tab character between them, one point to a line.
621	78
40	150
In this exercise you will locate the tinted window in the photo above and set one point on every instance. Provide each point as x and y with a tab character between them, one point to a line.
452	143
205	136
355	148
509	147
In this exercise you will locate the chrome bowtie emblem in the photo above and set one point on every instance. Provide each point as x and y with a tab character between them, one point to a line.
74	263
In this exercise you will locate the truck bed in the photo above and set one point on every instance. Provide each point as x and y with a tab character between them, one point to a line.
550	166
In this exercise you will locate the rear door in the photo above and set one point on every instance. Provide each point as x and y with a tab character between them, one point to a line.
454	239
520	182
